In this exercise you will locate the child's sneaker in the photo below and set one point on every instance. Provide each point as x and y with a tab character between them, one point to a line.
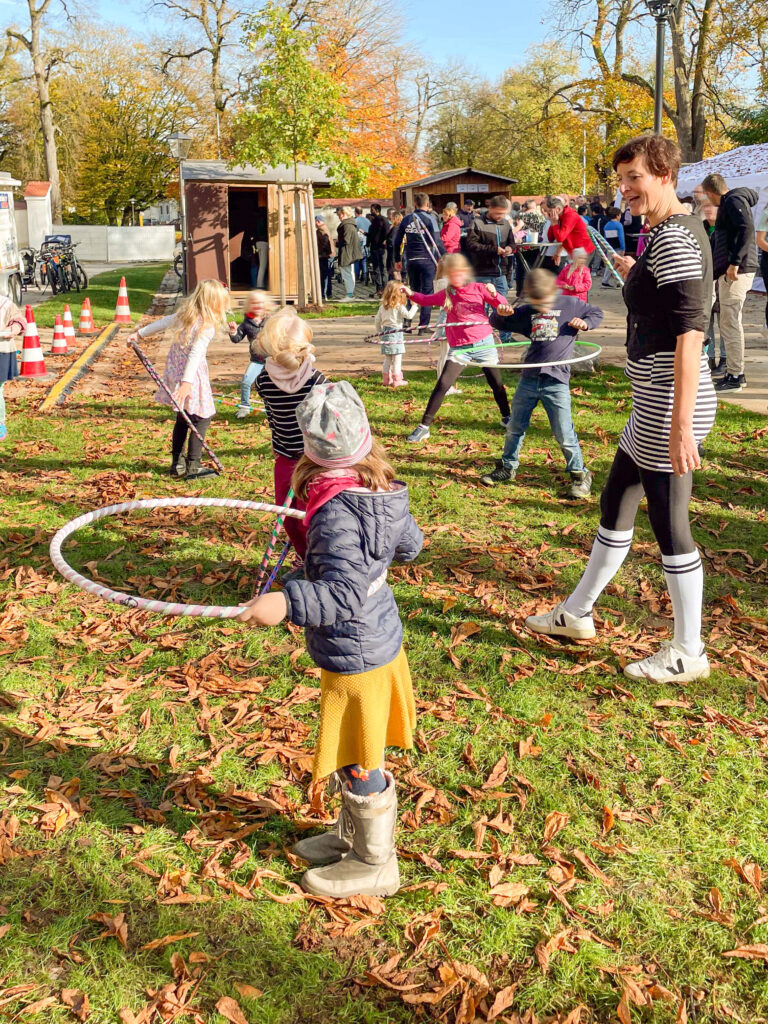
559	622
453	391
3	432
670	664
421	433
242	411
581	484
499	475
178	466
505	420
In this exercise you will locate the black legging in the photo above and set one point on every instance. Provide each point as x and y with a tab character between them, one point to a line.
180	429
668	499
764	274
449	376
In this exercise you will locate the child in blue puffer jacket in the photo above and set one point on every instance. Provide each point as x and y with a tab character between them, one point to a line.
358	522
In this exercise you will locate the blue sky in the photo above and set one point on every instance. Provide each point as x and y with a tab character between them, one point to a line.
442	29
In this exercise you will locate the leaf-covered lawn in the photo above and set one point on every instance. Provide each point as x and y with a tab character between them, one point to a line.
573	847
142	283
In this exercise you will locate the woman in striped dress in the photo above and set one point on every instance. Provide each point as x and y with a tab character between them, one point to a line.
667	292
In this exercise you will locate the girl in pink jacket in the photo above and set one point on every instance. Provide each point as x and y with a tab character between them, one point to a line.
469	341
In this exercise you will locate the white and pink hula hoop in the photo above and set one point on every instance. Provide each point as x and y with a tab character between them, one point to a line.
143	603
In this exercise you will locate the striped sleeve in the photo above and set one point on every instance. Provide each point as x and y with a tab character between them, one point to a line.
675	256
676	262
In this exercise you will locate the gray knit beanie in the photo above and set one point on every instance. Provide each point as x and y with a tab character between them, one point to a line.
335	425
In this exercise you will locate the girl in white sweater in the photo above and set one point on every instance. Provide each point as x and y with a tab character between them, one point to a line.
393	311
186	370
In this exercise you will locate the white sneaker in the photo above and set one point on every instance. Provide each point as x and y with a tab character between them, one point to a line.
670	664
420	433
453	391
559	622
243	411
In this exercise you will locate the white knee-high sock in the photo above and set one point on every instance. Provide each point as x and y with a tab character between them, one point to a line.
610	549
397	363
685	583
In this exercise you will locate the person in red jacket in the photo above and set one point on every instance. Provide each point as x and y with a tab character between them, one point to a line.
567	228
450	232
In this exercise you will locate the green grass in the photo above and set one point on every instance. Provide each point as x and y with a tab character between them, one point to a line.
142	282
334	309
176	728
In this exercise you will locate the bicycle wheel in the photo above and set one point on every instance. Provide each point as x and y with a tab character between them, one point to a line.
82	277
74	277
178	264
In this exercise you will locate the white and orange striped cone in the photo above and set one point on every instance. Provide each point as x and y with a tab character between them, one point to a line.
59	346
122	309
86	327
32	362
69	327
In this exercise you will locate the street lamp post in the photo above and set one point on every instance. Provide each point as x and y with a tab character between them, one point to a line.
662	11
133	213
179	145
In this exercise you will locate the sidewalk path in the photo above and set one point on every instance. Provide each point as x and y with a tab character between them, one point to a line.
340	348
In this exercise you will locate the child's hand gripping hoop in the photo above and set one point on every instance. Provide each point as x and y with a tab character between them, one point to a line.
143	603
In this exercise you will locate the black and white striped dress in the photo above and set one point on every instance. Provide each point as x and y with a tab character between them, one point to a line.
667	294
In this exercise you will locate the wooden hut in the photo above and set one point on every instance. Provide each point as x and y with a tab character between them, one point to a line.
226	206
456	185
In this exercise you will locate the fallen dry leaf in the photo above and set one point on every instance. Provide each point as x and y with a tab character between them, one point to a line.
168	939
230	1008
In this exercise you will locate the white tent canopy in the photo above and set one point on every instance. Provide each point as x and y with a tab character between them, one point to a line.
745	167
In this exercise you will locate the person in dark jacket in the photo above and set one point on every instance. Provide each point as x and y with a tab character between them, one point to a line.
349	249
489	245
358	523
423	249
734	265
377	248
325	254
467	214
552	322
258	305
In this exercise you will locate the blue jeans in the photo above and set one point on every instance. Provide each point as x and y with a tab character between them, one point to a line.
348	277
501	285
555	396
249	378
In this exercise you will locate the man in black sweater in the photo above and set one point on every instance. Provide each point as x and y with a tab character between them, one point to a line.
489	245
735	263
423	250
377	248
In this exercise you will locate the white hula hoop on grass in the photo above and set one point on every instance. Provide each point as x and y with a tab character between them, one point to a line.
143	603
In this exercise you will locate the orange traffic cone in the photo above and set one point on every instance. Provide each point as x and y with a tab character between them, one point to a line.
69	327
122	310
59	346
86	327
32	362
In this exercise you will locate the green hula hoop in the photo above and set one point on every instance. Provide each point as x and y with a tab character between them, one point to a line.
593	354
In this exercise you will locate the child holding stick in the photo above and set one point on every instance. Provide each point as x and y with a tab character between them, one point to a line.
393	310
358	523
186	370
288	377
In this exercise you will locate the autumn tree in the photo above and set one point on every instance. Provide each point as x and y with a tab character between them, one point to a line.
44	59
292	109
214	28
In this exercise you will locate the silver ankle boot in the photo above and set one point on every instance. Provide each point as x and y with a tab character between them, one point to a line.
370	867
330	846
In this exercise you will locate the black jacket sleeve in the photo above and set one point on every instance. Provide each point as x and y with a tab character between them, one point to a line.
740	231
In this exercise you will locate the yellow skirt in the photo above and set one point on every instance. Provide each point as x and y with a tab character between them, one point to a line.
362	714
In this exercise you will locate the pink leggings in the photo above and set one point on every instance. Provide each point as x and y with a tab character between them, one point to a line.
297	534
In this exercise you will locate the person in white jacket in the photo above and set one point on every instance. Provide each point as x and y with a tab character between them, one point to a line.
394	310
186	370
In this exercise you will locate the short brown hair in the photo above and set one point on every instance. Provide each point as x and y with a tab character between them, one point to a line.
662	156
715	183
374	472
420	200
539	284
498	202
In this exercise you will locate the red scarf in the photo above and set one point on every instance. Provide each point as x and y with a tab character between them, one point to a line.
325	487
